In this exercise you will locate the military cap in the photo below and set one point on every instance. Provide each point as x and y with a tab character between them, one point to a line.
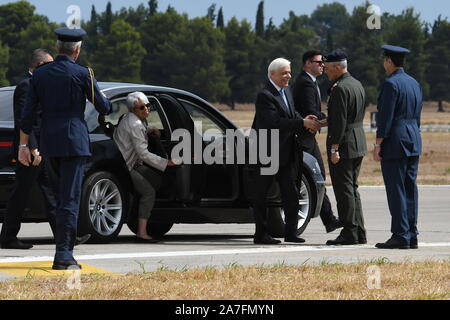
394	50
335	56
69	35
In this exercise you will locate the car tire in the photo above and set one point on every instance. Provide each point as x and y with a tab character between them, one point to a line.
158	230
103	207
307	200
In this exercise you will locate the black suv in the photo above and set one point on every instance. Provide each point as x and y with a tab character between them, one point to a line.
191	193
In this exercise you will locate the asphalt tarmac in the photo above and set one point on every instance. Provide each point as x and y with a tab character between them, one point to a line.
197	246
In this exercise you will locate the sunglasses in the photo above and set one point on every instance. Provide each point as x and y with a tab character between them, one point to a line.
148	105
318	61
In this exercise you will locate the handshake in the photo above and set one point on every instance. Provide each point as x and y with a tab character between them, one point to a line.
312	123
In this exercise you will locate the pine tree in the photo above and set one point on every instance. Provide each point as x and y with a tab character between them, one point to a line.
438	73
259	26
108	19
153	5
407	30
121	54
220	19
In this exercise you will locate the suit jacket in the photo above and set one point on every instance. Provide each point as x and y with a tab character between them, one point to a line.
270	113
398	117
346	109
61	88
307	102
19	101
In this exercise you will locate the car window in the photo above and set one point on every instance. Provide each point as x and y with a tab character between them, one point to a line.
6	105
154	118
119	108
203	122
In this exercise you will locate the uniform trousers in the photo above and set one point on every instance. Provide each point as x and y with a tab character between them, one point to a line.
66	176
344	177
401	189
20	199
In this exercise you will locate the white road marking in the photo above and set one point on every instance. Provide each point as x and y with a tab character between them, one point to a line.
162	254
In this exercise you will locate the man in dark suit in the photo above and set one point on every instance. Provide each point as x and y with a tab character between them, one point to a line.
275	111
61	88
398	147
26	175
346	147
307	101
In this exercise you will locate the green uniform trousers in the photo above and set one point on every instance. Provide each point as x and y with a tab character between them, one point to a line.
344	176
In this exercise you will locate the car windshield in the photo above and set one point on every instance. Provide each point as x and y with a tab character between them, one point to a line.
6	106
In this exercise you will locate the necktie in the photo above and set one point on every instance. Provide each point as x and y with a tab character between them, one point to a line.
286	104
318	89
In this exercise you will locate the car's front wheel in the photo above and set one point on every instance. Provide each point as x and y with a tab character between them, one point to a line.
103	207
305	212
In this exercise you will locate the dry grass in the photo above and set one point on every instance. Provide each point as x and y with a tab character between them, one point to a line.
434	167
434	163
420	280
429	114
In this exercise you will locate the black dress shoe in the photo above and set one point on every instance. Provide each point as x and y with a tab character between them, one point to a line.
66	265
82	239
392	244
362	241
333	225
266	240
142	240
294	239
16	244
413	243
341	241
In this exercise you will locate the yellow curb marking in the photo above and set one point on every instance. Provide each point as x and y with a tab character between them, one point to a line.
44	268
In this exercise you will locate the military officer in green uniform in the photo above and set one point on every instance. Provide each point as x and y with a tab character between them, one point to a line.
346	147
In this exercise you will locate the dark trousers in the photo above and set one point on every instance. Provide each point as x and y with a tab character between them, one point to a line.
285	176
66	176
402	194
20	199
326	213
344	176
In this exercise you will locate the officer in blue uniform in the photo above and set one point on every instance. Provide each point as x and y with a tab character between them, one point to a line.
398	147
61	88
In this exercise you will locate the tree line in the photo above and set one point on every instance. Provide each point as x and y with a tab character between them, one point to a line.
226	61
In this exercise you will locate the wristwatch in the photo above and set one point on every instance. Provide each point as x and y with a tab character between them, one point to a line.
334	150
376	145
23	146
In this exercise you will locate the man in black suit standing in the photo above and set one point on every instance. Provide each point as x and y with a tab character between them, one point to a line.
307	100
275	111
25	176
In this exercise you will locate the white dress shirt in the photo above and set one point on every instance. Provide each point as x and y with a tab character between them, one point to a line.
131	139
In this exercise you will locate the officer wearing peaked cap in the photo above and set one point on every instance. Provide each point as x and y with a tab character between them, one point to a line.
346	147
398	147
61	88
